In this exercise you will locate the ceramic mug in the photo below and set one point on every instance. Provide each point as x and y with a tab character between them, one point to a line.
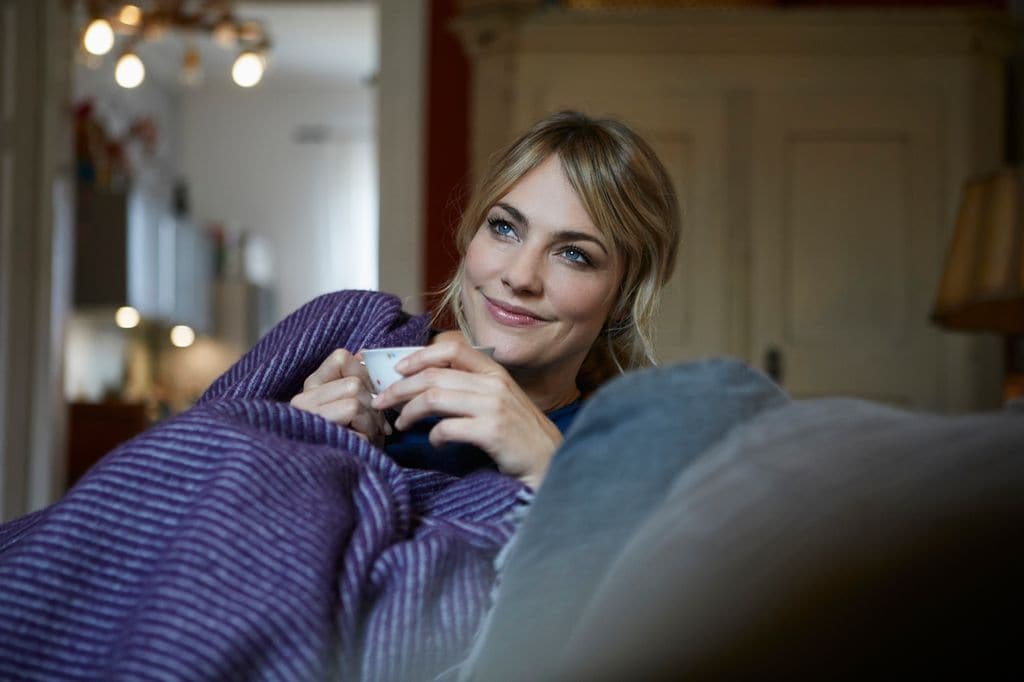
380	363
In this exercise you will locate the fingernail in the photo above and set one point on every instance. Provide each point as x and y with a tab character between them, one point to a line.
387	429
401	365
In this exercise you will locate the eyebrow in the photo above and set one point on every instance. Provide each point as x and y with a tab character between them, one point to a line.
514	212
562	235
575	236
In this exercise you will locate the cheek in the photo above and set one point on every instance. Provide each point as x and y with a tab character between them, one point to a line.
477	262
586	303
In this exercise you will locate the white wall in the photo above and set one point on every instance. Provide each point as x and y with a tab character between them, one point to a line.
403	57
314	201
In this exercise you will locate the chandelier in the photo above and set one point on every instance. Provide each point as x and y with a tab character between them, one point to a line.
131	23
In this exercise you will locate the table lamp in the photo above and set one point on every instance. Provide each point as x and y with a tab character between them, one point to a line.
982	286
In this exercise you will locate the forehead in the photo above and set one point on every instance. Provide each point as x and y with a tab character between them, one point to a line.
547	199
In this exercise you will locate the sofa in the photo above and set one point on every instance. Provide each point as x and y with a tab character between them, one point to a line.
698	524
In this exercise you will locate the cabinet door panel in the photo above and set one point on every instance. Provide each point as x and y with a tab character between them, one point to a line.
687	131
846	243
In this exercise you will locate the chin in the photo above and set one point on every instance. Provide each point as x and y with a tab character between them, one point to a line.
508	352
511	349
505	353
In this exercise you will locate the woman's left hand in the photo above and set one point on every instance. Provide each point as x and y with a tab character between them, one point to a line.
480	404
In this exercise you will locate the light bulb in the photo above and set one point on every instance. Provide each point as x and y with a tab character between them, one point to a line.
225	33
127	317
98	37
182	336
248	69
130	71
250	32
130	15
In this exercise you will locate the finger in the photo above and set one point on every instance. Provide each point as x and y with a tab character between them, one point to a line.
339	364
359	418
368	422
353	414
336	389
376	439
455	353
383	426
439	402
404	390
461	430
329	369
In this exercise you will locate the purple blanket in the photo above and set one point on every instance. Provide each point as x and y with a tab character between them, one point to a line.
245	539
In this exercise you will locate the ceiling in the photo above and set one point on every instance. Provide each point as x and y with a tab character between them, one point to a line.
325	43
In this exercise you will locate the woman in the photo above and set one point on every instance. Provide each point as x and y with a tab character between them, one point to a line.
247	539
564	250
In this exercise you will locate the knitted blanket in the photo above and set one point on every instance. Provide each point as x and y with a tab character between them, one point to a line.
246	539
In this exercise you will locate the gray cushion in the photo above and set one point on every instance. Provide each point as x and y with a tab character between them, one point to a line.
827	538
621	455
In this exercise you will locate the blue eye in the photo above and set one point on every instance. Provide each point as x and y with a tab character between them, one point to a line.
575	254
502	228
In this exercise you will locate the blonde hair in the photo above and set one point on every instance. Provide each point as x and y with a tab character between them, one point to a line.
628	195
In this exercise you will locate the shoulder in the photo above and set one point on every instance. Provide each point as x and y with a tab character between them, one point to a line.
354	296
349	304
349	317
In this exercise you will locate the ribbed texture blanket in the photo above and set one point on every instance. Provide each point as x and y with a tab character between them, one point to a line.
246	539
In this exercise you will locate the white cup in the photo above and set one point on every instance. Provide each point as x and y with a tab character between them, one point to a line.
380	363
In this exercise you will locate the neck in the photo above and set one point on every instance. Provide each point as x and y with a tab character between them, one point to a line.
547	390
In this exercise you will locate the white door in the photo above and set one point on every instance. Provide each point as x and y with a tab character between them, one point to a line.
846	246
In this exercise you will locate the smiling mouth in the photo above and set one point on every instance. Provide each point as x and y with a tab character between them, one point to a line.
511	316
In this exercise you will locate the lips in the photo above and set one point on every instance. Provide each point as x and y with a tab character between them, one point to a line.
512	316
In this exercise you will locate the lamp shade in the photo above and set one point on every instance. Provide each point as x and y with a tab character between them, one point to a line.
982	286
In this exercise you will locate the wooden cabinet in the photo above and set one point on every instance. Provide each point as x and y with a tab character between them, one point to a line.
818	156
101	248
94	429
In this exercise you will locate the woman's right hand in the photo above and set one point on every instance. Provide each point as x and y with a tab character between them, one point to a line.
340	392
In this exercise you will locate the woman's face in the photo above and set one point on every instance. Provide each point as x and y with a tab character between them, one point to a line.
539	278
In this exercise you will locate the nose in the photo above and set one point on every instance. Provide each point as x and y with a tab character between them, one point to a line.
524	272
